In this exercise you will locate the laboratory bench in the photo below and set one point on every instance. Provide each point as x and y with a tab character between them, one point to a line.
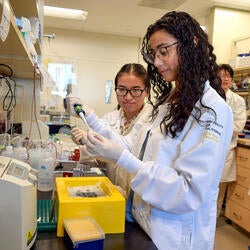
134	238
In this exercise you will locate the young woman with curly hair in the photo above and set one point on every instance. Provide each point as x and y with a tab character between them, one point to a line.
176	183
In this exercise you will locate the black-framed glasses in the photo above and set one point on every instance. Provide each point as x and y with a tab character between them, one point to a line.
225	76
161	51
132	92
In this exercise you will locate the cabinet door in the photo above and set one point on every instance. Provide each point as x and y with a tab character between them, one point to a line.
243	176
243	157
238	214
239	194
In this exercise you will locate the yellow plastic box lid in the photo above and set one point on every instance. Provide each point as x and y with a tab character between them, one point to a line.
83	229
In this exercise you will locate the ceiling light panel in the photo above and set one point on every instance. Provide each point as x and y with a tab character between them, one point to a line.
65	13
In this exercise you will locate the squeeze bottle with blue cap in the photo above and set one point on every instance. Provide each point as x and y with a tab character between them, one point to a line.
46	173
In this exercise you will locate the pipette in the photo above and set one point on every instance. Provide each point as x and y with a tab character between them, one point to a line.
78	109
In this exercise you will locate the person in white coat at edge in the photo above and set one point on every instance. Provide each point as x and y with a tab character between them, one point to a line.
176	184
132	90
238	106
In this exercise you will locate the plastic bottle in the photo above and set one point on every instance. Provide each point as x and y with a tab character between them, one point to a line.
35	157
8	152
46	173
20	153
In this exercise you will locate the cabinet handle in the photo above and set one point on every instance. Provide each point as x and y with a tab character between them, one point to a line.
238	196
238	217
242	158
243	178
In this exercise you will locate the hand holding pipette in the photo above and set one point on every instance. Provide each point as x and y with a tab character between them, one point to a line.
79	136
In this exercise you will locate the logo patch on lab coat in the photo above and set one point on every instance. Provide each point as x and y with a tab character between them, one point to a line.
213	131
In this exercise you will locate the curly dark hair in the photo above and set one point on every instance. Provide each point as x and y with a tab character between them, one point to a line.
197	64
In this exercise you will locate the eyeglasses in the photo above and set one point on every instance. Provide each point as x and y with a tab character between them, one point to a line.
132	92
162	51
225	76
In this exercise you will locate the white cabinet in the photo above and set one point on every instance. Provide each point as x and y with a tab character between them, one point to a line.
14	51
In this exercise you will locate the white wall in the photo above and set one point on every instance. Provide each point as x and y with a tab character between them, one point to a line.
229	24
96	58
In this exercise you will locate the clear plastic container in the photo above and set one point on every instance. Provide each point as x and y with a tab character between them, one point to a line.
35	157
8	152
20	153
46	173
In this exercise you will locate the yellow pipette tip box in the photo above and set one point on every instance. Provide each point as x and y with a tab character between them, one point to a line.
108	210
83	233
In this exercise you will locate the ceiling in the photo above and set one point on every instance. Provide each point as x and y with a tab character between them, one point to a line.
132	17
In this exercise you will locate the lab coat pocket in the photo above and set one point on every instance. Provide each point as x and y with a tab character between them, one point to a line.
166	232
170	231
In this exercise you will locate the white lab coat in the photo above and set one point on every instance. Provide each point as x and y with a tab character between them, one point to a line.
176	185
238	106
111	123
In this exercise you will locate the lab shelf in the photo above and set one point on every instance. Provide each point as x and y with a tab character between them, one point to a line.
240	74
20	9
14	51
